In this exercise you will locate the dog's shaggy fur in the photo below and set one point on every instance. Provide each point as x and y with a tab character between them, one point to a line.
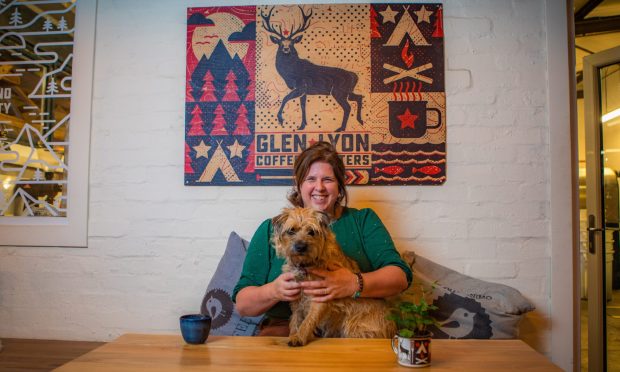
302	236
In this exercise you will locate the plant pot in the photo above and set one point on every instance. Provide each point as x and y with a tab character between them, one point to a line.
412	351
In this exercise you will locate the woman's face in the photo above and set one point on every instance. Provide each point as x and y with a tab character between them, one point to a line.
319	189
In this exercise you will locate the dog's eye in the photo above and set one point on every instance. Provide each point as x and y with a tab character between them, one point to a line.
290	232
311	232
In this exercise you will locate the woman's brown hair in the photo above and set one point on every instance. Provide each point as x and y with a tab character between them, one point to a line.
319	151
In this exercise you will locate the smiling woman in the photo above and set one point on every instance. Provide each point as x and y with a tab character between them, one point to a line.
319	190
320	185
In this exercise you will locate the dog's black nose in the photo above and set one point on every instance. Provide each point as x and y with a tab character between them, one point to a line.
300	247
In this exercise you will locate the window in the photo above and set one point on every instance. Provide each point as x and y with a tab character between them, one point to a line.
46	69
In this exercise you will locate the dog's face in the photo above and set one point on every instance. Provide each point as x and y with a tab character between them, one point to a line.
299	235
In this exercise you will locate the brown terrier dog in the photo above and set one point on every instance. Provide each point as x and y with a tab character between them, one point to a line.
302	236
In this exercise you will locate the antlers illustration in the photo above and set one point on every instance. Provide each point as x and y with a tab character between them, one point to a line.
278	32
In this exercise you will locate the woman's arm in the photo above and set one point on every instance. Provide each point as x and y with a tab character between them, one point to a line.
384	282
390	274
256	300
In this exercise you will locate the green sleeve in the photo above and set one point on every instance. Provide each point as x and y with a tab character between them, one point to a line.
256	266
378	243
262	266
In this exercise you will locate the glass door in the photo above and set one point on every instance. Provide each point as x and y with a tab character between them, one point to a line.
602	122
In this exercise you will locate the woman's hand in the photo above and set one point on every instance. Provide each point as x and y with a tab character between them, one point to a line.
256	300
285	288
337	283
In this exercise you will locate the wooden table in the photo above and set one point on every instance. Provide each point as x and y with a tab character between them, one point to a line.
137	352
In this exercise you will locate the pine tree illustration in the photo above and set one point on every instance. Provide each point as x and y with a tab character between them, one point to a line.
197	78
195	128
188	161
219	85
52	87
219	122
16	18
231	88
208	89
47	25
62	24
242	78
250	159
438	31
188	93
242	122
374	25
251	87
38	175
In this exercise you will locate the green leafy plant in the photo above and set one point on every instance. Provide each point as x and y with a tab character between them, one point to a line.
412	313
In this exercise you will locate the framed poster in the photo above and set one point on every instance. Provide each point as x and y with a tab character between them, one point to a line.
265	82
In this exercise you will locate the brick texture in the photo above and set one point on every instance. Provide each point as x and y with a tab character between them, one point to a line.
154	243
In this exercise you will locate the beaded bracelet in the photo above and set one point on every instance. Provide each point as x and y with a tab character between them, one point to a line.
360	286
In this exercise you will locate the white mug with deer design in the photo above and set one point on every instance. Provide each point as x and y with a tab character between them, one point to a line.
412	352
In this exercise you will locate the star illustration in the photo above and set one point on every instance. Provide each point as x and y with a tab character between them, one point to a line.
389	15
236	150
202	150
407	119
423	15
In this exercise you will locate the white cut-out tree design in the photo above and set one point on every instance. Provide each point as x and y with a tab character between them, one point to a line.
38	175
47	25
16	18
52	87
62	24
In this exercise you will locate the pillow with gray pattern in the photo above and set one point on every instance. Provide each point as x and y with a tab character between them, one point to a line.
217	301
468	307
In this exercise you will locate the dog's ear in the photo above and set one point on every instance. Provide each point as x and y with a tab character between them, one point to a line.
324	219
278	221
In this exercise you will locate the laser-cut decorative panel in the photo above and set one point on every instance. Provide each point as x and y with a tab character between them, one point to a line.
265	82
36	54
46	70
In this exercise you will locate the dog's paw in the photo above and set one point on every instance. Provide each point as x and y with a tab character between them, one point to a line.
295	342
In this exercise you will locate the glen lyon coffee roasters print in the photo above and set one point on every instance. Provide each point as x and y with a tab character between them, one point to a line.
265	82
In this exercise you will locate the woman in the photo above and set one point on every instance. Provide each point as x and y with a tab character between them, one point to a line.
320	184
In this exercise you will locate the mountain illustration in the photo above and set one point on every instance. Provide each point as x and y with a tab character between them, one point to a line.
28	201
46	159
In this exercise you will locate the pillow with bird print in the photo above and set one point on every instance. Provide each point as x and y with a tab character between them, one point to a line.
468	307
217	301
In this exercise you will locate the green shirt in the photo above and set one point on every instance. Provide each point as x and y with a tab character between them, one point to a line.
360	233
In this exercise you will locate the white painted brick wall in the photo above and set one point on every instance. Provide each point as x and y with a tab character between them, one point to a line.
154	243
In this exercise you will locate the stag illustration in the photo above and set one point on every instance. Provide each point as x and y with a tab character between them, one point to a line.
305	78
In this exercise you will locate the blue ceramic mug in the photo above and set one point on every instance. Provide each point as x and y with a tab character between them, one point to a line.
195	328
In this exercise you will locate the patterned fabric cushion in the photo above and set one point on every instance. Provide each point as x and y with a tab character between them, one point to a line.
217	301
468	307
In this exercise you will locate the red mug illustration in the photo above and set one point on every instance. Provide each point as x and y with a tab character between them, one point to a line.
410	119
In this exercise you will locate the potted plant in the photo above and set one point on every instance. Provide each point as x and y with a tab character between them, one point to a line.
411	314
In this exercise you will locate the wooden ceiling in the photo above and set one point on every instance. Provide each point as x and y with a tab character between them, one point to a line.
597	28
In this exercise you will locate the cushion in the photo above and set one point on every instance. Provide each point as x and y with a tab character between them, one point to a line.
468	307
217	301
